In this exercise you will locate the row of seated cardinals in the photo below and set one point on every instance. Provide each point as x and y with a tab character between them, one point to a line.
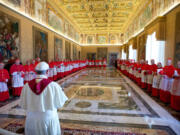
161	82
20	74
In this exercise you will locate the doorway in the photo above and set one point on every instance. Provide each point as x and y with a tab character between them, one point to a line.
112	59
91	56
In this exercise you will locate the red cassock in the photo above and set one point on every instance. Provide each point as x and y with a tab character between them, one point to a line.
62	69
89	63
104	63
17	73
175	93
51	73
58	69
134	75
166	83
100	63
131	71
144	69
29	73
92	63
96	63
55	76
139	72
36	62
65	68
151	69
156	81
4	93
126	65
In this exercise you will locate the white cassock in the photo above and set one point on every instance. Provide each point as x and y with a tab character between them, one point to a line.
42	117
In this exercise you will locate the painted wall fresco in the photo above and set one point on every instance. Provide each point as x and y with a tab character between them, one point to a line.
141	48
90	39
77	37
16	3
55	21
58	48
102	40
9	37
102	53
67	50
43	11
177	39
40	10
66	27
75	52
28	6
40	44
112	39
154	9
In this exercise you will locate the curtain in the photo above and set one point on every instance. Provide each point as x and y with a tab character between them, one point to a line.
123	54
132	53
155	49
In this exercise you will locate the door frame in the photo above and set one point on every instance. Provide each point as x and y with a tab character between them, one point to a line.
116	53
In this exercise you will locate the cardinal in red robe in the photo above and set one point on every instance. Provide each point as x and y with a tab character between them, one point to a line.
17	73
144	68
150	72
175	92
29	72
4	76
156	81
166	81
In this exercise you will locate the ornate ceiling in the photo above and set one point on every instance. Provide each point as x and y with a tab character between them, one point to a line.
100	16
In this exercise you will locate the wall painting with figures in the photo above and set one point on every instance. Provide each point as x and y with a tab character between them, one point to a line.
40	43
9	37
177	40
68	50
58	49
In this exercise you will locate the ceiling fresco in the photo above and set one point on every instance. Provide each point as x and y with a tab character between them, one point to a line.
87	22
99	16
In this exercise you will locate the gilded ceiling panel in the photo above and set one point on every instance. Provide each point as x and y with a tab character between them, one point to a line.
94	16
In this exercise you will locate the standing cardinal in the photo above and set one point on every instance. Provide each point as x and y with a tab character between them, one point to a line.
17	73
29	72
4	76
166	81
175	92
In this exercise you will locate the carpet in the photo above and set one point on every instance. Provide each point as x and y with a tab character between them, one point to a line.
19	128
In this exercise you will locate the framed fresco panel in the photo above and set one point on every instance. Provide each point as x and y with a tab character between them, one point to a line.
40	44
9	37
90	39
58	48
16	3
102	39
67	50
54	20
142	48
74	52
102	53
177	40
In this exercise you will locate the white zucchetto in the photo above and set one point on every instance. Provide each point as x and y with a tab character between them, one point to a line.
42	66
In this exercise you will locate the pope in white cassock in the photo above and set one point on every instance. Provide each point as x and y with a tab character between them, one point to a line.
41	98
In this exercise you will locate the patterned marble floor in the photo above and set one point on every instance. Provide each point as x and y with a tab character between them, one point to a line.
106	101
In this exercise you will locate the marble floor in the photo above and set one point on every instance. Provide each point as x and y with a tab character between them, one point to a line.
103	100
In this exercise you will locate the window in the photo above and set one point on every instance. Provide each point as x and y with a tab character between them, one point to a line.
132	53
155	49
123	55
